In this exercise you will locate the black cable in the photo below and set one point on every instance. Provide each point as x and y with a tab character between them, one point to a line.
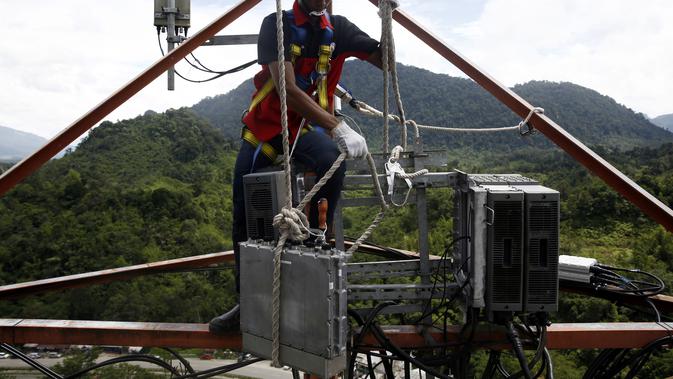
608	274
219	370
539	354
127	358
381	337
517	346
443	258
366	324
180	358
491	365
217	76
550	365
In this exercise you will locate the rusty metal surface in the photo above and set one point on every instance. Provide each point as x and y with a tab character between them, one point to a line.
67	332
28	165
106	276
70	332
650	205
560	336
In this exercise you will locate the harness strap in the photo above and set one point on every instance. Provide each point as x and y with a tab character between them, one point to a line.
322	68
265	147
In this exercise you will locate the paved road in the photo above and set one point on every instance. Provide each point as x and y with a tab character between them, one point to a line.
257	370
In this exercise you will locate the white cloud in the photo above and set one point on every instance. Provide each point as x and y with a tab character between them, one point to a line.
60	59
620	48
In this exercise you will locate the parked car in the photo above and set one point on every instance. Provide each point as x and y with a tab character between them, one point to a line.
34	355
4	355
206	356
54	354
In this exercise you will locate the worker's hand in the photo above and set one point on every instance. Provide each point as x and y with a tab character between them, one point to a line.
349	142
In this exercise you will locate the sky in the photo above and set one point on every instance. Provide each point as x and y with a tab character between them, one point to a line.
59	59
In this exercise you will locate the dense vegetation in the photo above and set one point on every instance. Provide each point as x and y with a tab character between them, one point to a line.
142	190
158	187
435	99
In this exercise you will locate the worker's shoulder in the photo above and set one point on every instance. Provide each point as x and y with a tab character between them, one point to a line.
339	21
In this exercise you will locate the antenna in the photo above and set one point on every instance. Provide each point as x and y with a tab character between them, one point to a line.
173	17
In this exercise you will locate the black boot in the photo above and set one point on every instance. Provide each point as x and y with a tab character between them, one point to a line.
226	323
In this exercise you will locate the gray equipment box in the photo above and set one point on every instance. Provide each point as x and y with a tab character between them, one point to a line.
505	253
511	258
313	310
264	194
182	18
489	210
542	248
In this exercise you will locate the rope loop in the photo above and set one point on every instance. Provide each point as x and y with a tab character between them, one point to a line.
529	130
291	222
395	153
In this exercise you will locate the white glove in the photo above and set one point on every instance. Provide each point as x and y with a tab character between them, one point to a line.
349	142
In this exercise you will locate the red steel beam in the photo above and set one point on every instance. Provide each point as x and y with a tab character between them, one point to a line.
105	276
559	336
650	205
27	166
72	332
151	334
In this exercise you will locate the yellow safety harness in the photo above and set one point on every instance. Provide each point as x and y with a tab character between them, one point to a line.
319	77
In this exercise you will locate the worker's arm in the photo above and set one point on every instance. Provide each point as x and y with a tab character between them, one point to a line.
375	58
349	142
299	101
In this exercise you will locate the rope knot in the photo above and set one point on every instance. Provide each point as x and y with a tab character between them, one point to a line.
395	153
291	222
524	123
385	5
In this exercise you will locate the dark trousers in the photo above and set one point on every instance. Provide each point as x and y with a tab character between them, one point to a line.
316	151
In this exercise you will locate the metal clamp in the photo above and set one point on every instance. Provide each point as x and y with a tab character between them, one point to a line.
490	211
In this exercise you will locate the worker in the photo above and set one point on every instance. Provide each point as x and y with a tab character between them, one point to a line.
316	46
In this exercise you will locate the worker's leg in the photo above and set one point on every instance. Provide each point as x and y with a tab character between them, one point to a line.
244	162
318	152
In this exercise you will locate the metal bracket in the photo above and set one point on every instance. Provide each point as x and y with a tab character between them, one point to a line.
241	39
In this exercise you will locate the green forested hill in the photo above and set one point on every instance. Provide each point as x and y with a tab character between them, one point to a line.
159	186
152	188
436	99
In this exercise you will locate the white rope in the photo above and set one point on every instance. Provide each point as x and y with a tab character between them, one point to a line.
284	223
394	170
524	122
386	8
386	68
291	222
368	110
384	206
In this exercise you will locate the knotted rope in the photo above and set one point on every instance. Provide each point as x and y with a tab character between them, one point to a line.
398	172
386	8
291	222
290	215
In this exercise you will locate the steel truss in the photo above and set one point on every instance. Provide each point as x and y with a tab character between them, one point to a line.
561	336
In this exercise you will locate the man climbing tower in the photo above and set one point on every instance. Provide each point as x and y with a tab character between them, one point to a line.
316	47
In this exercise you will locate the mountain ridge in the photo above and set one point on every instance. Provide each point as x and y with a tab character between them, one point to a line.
665	121
442	100
16	144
